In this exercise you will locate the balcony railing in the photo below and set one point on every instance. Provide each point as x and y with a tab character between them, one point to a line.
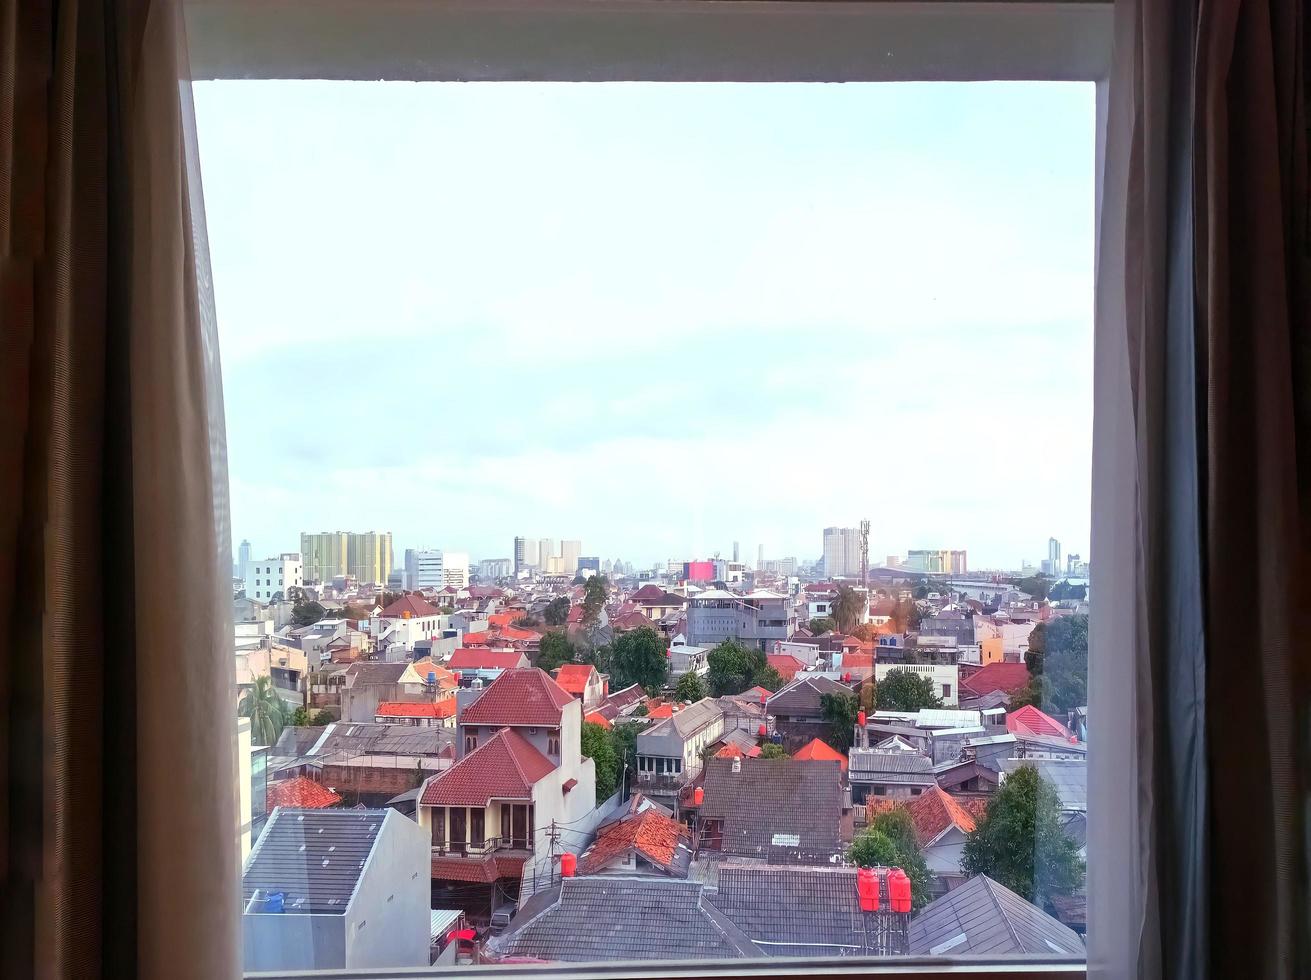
658	781
488	846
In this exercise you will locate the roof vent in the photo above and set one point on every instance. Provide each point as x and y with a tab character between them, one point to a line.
737	765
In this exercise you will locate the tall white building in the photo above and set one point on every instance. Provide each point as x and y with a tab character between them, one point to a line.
243	559
546	550
432	568
268	576
569	554
842	552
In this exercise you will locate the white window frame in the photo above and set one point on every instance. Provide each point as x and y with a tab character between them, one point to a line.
700	40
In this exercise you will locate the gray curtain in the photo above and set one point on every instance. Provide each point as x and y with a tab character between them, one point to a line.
118	821
1202	704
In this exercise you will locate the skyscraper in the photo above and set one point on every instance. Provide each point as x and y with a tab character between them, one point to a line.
520	554
367	556
530	552
243	559
760	558
735	554
545	552
569	554
1053	557
842	552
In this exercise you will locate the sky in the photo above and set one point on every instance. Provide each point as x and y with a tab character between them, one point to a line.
658	318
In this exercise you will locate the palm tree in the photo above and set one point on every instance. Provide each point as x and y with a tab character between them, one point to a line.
263	707
848	609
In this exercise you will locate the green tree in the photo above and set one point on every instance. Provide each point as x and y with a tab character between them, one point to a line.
306	613
300	717
890	842
596	745
596	591
823	624
768	678
447	610
1019	842
554	650
263	707
638	657
691	688
323	717
1059	672
848	609
730	666
771	751
840	712
905	690
1035	585
353	611
624	737
557	611
600	657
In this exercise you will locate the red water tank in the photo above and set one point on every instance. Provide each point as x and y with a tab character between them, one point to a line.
860	718
867	888
899	890
568	865
764	696
698	796
846	678
762	731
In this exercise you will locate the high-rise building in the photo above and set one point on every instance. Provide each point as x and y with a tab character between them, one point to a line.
1054	555
243	559
590	563
324	554
546	550
959	566
268	577
735	554
760	557
932	561
432	568
366	556
570	551
842	552
520	554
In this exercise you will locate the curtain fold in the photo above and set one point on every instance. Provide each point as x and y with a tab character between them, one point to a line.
118	823
1202	312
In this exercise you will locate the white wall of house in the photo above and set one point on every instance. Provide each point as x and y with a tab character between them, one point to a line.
945	678
266	576
387	921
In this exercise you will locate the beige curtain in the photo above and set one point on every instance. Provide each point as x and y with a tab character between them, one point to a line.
1202	491
117	759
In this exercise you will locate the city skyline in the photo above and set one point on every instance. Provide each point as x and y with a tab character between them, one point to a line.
695	299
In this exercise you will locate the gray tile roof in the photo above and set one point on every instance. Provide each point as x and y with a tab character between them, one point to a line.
608	918
891	767
773	808
365	674
314	857
983	917
1068	777
793	911
801	698
690	720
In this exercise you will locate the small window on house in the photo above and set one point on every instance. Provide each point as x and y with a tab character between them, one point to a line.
553	745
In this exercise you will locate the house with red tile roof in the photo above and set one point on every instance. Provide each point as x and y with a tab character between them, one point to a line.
301	791
596	718
583	682
786	665
485	664
942	823
819	750
643	843
520	768
1028	720
404	623
435	714
1009	678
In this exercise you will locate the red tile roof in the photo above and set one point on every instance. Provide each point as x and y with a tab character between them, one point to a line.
1028	720
412	604
525	696
463	659
476	639
487	870
648	593
514	633
505	767
596	718
631	621
444	708
503	618
934	811
817	750
575	614
851	661
574	678
651	834
1004	677
732	751
786	664
300	792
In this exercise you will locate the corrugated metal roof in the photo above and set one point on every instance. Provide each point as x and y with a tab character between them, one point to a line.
982	917
314	857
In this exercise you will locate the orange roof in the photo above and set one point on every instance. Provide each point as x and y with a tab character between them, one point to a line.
483	659
817	750
513	633
426	666
414	605
732	751
596	718
300	792
477	639
574	678
503	618
936	810
850	660
1028	720
665	710
651	834
444	708
786	664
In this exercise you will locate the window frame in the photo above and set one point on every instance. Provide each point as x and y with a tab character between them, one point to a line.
694	40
